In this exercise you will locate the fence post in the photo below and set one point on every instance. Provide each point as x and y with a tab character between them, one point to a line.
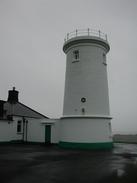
99	32
76	32
88	31
67	36
106	37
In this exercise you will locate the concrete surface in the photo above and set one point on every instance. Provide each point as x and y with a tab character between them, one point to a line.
23	163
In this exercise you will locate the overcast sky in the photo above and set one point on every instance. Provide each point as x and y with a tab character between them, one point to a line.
31	58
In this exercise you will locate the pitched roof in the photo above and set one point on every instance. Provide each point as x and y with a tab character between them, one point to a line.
19	109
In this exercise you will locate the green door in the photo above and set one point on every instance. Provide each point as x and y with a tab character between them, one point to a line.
48	134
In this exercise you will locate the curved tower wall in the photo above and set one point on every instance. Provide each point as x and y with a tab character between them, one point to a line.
86	121
86	77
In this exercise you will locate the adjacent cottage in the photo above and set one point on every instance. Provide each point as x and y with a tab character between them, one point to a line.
19	122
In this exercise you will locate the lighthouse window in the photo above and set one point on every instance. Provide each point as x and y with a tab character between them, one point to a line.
104	59
76	54
83	100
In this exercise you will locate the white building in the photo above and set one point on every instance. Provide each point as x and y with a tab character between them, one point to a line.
19	123
86	120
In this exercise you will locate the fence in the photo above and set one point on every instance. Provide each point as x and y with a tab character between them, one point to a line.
85	32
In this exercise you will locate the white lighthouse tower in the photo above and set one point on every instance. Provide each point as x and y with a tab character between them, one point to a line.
86	119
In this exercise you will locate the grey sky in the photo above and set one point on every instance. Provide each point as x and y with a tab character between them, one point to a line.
31	56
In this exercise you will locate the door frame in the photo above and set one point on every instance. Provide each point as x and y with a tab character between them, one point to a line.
48	134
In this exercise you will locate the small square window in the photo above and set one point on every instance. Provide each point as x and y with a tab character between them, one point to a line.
76	54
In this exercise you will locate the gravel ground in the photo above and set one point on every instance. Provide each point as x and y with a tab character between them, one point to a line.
25	163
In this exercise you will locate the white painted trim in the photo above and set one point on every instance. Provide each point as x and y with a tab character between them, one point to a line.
89	116
44	123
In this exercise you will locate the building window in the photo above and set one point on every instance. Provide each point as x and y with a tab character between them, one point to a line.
19	126
76	54
104	59
83	100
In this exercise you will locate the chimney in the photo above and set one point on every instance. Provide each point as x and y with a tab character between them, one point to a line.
1	108
13	96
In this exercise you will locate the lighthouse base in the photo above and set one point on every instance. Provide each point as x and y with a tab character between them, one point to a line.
86	133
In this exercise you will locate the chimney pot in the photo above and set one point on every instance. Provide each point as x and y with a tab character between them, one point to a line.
13	96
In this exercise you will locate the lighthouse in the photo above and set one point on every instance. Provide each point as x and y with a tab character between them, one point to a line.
86	120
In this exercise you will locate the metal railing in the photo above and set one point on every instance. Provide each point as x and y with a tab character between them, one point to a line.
86	32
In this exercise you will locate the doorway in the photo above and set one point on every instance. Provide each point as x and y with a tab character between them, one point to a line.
47	134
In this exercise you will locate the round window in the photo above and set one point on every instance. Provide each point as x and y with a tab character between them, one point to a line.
83	99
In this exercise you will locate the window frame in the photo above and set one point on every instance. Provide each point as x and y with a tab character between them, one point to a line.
76	56
104	59
19	126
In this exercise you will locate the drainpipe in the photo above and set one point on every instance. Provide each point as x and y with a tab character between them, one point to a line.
26	130
23	129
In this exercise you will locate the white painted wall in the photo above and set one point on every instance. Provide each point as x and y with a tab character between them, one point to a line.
85	130
55	130
86	78
6	131
35	130
15	135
